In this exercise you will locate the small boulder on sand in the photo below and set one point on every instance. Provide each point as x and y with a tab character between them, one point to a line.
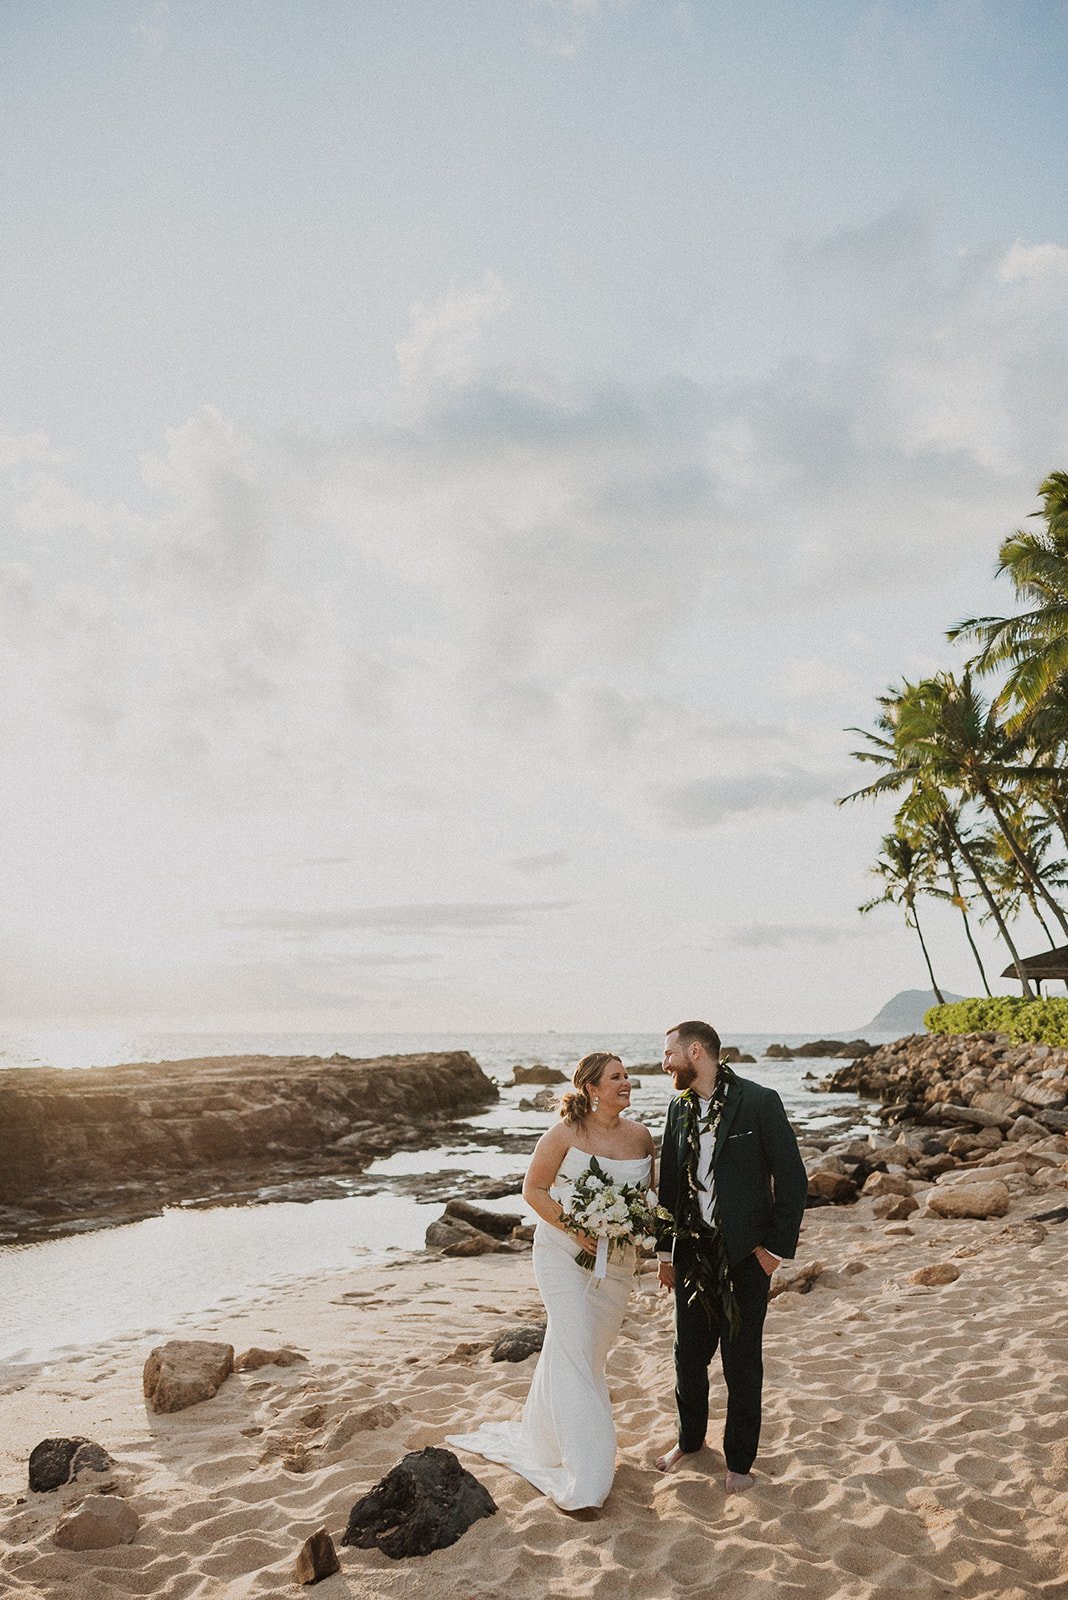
317	1559
183	1372
969	1200
516	1344
57	1461
936	1274
895	1207
253	1359
498	1224
880	1183
794	1279
99	1523
827	1187
382	1415
455	1238
424	1503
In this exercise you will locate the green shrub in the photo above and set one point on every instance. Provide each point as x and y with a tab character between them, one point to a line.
1025	1021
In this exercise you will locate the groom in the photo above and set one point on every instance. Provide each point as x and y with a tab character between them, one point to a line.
733	1180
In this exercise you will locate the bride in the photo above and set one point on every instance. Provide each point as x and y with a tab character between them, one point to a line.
565	1442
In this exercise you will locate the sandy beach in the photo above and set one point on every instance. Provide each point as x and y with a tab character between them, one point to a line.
914	1439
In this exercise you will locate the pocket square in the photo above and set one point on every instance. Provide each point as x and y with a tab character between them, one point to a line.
748	1134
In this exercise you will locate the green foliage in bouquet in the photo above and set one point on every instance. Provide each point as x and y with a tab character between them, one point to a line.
617	1212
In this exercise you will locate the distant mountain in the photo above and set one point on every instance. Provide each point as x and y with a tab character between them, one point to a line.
904	1013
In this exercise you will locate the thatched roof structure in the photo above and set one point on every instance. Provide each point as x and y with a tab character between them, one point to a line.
1050	964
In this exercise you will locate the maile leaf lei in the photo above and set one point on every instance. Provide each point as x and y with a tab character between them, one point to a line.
706	1273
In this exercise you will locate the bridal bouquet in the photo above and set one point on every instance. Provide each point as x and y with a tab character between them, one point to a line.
617	1215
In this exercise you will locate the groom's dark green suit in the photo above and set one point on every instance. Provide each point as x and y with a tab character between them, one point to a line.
760	1187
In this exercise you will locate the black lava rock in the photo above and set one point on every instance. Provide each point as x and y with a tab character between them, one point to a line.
56	1461
424	1503
518	1343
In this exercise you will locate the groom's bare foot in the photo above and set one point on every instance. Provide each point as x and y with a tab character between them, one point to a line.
739	1482
672	1458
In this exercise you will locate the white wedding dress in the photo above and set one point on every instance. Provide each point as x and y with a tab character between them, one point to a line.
565	1441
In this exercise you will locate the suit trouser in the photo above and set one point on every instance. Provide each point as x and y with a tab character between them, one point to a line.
696	1341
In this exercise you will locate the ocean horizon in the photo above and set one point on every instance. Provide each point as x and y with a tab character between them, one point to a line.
496	1052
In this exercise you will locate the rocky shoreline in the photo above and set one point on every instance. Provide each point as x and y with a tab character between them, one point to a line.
966	1109
86	1149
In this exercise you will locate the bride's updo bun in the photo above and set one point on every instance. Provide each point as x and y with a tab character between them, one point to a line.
576	1104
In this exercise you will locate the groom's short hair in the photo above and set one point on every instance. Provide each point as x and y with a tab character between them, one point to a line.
703	1032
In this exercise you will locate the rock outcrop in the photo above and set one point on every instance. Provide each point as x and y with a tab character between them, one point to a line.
110	1143
538	1072
817	1048
977	1080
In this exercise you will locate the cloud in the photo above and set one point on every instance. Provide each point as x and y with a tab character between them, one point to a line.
559	26
692	804
153	27
22	449
442	342
400	919
1023	261
496	568
40	982
543	861
783	936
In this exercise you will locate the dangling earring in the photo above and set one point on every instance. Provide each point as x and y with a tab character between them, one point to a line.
596	1103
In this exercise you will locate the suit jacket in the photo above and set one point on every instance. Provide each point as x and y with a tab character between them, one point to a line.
761	1183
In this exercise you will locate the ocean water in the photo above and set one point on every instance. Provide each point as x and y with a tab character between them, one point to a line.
157	1277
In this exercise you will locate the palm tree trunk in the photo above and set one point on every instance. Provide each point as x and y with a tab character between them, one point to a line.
1040	919
923	946
961	904
1060	815
984	889
975	953
1021	857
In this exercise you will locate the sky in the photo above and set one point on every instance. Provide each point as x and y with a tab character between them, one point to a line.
462	470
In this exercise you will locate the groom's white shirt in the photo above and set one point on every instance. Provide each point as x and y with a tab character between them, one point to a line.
707	1192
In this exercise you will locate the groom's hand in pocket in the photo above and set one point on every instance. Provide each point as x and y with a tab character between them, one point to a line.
766	1259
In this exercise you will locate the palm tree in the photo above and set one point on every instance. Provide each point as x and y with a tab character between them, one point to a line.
1033	645
907	872
947	727
1014	892
1046	731
925	804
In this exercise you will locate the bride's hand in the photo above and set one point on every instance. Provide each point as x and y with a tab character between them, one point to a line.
586	1242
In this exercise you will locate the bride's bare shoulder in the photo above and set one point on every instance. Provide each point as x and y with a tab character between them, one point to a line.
641	1136
557	1140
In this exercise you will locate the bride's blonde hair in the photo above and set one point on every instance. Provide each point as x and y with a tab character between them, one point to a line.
577	1104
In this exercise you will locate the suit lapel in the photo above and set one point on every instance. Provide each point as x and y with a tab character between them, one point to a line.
730	1111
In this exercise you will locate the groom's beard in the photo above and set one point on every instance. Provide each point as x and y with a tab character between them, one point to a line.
684	1076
